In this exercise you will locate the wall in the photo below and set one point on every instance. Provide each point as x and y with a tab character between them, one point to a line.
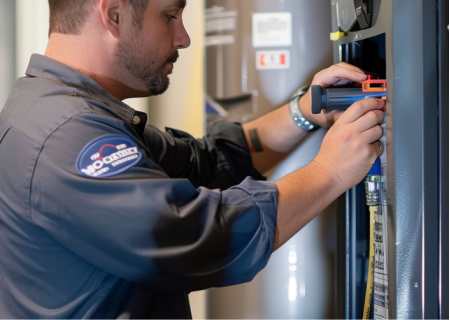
7	49
31	31
182	106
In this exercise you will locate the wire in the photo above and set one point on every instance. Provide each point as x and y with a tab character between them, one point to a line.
370	274
372	183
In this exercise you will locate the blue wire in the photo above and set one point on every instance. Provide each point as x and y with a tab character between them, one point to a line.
376	169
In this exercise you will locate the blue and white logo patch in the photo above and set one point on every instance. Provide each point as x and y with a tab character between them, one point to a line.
108	156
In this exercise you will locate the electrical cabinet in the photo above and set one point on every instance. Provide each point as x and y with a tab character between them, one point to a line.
258	53
404	46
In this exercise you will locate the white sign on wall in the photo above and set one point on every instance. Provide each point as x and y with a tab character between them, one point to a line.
272	29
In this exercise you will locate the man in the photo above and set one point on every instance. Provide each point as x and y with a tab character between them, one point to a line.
102	216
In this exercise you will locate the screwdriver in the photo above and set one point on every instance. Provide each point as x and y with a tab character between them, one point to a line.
342	98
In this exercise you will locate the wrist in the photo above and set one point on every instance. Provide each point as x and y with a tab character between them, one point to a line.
322	120
328	168
299	118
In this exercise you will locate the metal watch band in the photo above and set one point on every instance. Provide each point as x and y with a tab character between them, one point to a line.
296	114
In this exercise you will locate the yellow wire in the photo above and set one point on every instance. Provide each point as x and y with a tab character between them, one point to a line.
370	274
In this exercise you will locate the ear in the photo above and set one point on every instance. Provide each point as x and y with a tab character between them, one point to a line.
110	13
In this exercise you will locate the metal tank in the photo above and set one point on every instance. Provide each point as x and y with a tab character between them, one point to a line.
258	52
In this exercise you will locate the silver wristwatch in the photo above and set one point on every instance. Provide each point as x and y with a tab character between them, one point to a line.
296	114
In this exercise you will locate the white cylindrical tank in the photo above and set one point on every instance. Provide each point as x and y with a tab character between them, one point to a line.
258	52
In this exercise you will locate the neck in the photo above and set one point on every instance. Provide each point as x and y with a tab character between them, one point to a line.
96	60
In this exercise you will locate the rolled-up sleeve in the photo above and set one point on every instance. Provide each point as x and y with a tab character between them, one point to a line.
151	228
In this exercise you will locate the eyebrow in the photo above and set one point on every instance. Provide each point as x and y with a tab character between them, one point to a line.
179	4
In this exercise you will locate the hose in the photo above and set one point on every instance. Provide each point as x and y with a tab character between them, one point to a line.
372	184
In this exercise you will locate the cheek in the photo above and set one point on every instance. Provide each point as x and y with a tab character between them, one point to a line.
156	39
154	28
161	35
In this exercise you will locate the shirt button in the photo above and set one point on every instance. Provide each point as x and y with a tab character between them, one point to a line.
136	120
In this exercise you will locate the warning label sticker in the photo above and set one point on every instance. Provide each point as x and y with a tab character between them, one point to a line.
272	29
218	19
219	40
272	59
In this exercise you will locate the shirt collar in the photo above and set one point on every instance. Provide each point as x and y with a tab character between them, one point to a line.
44	67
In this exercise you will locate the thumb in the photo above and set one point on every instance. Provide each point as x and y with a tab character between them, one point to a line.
379	148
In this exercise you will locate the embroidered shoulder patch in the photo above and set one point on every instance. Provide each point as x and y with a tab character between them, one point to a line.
108	156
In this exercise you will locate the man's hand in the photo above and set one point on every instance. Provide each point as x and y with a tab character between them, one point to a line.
352	145
348	151
277	133
337	75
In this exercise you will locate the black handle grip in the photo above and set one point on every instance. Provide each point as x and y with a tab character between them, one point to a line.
316	99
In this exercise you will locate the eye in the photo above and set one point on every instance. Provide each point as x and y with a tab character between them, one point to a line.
170	17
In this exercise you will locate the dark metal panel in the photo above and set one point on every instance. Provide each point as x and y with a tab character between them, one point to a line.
444	164
430	171
416	158
407	142
340	294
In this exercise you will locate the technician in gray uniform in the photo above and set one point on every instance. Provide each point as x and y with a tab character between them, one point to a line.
103	216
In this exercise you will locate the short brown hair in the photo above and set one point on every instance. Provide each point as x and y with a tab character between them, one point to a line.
68	16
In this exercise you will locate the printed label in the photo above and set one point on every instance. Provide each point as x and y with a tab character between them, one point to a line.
108	156
380	288
217	19
272	29
217	25
218	40
275	59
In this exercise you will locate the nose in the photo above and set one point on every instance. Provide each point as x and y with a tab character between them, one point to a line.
182	39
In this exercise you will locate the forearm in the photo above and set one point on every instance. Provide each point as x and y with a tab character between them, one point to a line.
302	195
277	135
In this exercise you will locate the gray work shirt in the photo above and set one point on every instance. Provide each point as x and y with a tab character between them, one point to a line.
102	216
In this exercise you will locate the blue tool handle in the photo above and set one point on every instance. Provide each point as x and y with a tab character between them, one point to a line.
338	98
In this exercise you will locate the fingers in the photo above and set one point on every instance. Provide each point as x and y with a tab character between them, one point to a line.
339	74
350	66
369	125
368	120
372	135
360	108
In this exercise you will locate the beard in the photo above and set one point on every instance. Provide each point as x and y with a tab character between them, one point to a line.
150	71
